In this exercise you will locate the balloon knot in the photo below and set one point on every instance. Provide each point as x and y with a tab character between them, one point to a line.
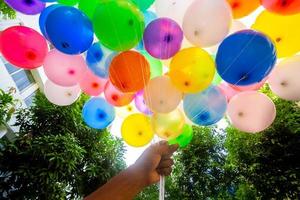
95	85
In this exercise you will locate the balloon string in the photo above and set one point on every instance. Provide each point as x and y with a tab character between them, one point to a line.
162	188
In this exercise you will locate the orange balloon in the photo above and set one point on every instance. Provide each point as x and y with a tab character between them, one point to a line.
129	71
242	8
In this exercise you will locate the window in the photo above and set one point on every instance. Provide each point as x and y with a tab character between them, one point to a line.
29	99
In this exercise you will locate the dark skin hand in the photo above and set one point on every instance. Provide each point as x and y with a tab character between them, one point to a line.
154	162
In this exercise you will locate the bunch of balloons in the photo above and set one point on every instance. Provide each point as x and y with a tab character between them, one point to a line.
162	65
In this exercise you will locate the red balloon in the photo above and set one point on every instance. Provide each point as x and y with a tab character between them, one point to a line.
129	71
23	47
283	7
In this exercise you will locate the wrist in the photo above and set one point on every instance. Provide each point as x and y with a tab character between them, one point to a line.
139	175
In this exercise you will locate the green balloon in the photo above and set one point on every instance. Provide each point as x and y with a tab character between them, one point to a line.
68	2
184	138
143	4
156	67
119	25
88	7
217	79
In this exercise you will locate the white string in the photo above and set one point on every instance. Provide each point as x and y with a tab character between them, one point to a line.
162	188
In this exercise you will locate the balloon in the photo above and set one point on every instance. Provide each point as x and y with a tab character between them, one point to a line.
251	111
217	79
136	130
217	17
29	7
48	0
149	16
119	25
184	138
192	70
91	84
168	125
69	30
68	2
97	113
286	7
88	7
129	71
61	96
173	9
143	4
96	59
284	80
228	90
205	108
252	87
161	96
140	103
63	69
242	8
115	97
127	110
156	68
43	17
283	30
23	47
245	58
163	38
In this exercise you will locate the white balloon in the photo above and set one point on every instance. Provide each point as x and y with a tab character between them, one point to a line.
174	9
61	96
207	22
284	80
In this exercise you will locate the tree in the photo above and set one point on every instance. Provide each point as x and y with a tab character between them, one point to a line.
55	155
269	161
6	11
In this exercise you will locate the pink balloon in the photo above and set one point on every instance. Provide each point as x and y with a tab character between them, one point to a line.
253	87
116	97
63	69
91	84
285	79
227	90
140	103
61	96
251	111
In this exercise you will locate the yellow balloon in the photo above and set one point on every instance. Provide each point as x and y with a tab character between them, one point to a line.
192	70
168	125
136	130
283	30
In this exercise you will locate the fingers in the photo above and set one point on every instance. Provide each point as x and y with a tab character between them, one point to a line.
164	171
164	149
165	163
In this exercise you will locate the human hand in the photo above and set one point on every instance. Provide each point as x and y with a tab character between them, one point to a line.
155	161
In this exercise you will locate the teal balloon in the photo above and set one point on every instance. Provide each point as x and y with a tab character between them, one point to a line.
205	108
143	4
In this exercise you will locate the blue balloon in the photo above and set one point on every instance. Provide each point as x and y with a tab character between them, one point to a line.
140	46
205	108
48	0
245	57
149	16
98	59
69	30
43	17
97	113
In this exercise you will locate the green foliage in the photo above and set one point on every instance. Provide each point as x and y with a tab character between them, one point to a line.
56	156
7	105
6	11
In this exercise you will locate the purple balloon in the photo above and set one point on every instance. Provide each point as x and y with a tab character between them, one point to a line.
163	38
28	7
140	103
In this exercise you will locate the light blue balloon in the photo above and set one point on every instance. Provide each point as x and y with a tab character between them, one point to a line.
43	17
205	108
97	113
149	16
48	0
98	59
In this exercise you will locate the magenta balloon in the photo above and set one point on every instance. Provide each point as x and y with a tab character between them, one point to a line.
91	84
29	7
64	70
251	111
140	103
163	38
